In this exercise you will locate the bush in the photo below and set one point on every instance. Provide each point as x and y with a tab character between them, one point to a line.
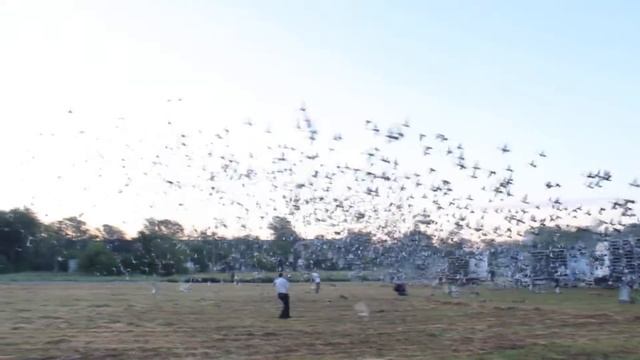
168	268
5	265
96	258
264	263
161	255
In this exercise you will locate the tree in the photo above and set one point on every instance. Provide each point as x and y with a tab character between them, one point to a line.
18	228
282	229
200	255
97	259
284	238
110	232
161	254
5	265
632	230
419	237
23	219
205	234
264	263
167	227
43	251
73	228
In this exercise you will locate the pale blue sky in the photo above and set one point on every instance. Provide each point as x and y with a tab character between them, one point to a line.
559	76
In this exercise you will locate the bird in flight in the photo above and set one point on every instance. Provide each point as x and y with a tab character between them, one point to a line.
441	137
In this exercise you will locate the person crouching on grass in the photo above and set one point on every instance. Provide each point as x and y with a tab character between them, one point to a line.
282	289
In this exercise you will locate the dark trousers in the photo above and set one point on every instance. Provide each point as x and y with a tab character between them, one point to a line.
284	314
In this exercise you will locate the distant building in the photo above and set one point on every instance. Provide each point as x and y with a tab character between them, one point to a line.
468	266
616	259
73	265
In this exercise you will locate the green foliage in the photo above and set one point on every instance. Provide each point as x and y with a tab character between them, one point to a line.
110	232
281	248
200	255
265	263
99	260
17	228
550	237
74	229
166	227
161	255
43	252
26	244
5	265
284	239
326	264
282	229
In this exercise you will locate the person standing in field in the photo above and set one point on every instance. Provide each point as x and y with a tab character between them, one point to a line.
315	278
282	289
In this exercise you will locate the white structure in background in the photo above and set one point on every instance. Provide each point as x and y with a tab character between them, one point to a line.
602	263
72	265
479	265
579	266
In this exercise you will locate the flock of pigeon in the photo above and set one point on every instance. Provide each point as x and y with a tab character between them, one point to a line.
332	187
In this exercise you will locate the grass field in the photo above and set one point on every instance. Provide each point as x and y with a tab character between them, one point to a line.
268	277
83	320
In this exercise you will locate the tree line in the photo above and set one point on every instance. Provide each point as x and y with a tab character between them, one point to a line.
163	247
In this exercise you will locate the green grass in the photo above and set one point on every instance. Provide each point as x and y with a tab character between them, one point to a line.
251	277
262	277
36	276
597	350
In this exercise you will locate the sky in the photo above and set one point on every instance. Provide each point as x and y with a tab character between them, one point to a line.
553	76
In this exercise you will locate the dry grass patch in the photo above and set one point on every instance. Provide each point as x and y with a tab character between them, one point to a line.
223	321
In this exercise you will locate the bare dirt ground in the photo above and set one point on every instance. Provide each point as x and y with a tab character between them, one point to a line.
125	321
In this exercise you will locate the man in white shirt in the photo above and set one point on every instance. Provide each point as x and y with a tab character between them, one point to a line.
282	289
315	278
